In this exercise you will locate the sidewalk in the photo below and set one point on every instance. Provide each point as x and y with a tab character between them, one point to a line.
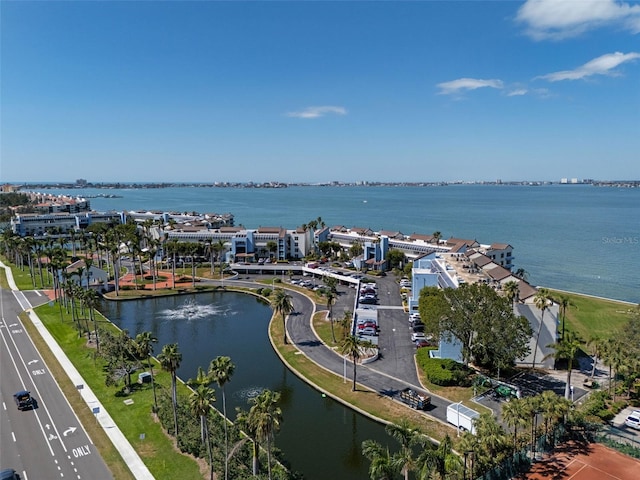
127	452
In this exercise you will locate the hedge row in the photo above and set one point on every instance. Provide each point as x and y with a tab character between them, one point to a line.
443	371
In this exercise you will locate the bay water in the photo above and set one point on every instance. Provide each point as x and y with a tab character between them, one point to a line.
572	237
579	238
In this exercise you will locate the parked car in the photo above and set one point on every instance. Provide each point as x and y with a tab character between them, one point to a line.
422	342
633	420
368	300
367	323
368	326
368	331
416	336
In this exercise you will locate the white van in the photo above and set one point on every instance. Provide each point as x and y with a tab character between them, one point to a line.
633	420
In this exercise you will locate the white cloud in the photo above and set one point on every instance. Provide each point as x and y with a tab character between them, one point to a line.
316	112
603	65
463	84
558	19
517	92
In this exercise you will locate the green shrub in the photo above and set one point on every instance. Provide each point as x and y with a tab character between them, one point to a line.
443	371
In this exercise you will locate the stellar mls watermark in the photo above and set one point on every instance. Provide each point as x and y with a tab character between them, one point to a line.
621	240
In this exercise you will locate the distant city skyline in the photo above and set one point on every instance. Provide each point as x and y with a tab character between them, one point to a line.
315	92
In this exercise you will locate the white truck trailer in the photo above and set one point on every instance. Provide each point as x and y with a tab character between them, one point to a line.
461	416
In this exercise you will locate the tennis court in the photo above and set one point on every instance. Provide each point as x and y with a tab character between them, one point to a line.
585	461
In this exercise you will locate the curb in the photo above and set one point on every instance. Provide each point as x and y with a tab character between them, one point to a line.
135	464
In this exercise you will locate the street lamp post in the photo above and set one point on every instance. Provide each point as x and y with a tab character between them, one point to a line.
534	428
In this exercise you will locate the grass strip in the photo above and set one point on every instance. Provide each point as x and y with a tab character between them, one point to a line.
155	447
592	316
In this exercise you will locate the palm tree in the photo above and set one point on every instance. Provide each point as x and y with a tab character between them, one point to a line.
200	406
170	359
564	303
437	235
491	439
352	346
515	415
221	370
282	305
266	417
407	437
567	349
144	344
511	290
438	462
521	273
244	421
345	322
330	298
91	300
382	465
596	343
272	247
541	301
219	247
552	407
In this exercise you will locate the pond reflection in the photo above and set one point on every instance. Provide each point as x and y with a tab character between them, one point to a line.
320	438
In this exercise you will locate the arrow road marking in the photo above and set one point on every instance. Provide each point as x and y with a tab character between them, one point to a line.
48	426
69	430
32	361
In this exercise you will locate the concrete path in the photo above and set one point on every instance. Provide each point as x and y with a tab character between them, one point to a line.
120	442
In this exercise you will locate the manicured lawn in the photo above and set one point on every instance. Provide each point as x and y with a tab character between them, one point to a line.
366	401
595	316
156	449
592	316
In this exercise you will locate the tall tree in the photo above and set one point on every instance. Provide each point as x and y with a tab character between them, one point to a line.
330	296
408	437
244	421
564	303
542	301
511	290
170	359
91	300
492	441
595	344
221	370
144	344
382	465
282	305
352	346
515	415
200	405
567	349
266	416
438	462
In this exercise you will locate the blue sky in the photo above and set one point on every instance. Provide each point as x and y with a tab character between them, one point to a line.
317	91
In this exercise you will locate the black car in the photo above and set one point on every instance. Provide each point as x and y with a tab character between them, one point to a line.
23	399
9	474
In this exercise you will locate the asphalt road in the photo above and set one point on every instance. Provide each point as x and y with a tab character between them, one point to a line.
393	371
47	442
